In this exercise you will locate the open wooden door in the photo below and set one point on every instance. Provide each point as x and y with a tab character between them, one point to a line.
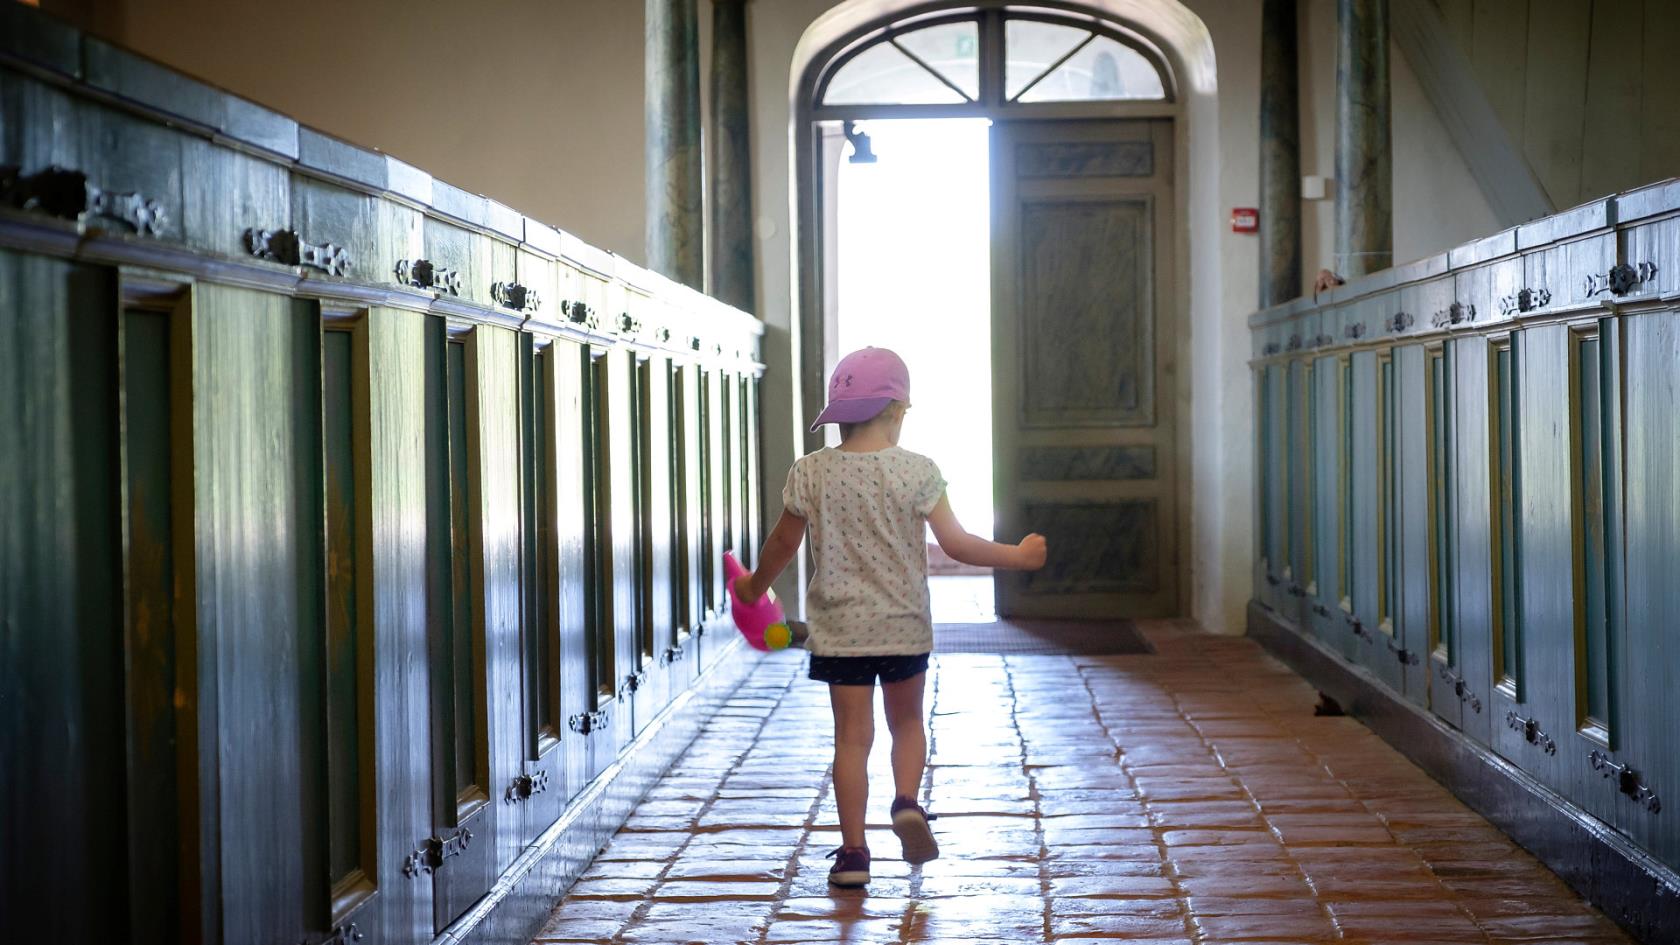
1082	353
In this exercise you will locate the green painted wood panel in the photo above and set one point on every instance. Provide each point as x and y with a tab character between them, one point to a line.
659	590
1653	595
61	666
1545	637
1472	536
153	654
1445	685
1299	499
258	514
691	519
1327	485
493	420
564	580
400	603
1413	521
618	376
540	632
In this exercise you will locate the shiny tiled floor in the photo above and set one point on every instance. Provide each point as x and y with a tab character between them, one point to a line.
1184	797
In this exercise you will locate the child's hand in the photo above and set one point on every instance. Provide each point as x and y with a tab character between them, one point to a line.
1032	550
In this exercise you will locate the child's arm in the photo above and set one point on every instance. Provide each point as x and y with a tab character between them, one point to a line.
972	549
779	549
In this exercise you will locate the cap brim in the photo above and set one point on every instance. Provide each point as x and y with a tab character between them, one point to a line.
851	411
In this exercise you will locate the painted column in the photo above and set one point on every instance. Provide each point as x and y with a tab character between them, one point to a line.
1280	155
731	167
675	223
1364	174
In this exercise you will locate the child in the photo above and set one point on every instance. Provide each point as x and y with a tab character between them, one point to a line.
864	506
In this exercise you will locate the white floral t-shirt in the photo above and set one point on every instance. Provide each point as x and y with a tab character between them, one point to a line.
866	516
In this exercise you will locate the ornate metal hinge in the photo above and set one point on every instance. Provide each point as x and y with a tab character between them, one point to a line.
694	342
1294	344
345	935
1525	300
1621	279
1320	609
578	313
1465	695
1454	314
1627	780
664	336
1296	590
672	654
1400	322
67	194
628	325
1358	627
632	682
1354	331
1271	348
524	785
421	274
515	296
1272	579
1404	656
586	722
434	850
287	248
1530	729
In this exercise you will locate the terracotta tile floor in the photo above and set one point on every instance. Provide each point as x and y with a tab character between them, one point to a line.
1184	797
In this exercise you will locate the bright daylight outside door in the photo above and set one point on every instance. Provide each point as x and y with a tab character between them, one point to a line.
1083	390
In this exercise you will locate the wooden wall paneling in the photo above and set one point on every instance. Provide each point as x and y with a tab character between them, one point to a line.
659	582
464	252
606	660
61	656
741	481
1555	95
1302	415
232	192
1659	36
538	789
1472	534
1347	507
40	124
564	574
493	420
347	692
259	570
1412	544
1366	480
717	529
124	154
1265	556
1595	396
1385	640
1612	136
754	488
691	503
1500	53
1655	244
1652	497
397	475
327	213
643	684
160	738
1441	660
1325	598
728	480
463	816
1545	636
1277	484
618	377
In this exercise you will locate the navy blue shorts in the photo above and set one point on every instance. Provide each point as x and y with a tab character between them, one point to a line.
864	670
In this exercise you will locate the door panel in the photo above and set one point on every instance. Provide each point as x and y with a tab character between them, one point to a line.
565	575
1083	361
1472	537
1413	613
1441	659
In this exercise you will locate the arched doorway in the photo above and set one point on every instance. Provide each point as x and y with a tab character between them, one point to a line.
1085	327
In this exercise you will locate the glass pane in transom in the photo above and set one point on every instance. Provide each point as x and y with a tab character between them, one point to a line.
1030	47
881	75
952	50
1105	70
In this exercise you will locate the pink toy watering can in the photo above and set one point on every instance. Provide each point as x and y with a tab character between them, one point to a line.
762	621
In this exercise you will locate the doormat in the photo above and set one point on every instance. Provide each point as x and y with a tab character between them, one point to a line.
1041	638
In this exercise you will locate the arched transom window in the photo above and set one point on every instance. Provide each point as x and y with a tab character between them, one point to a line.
995	59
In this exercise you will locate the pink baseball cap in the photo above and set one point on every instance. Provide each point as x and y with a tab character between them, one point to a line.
862	385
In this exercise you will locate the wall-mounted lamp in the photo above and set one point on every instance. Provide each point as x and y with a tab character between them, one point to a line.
861	152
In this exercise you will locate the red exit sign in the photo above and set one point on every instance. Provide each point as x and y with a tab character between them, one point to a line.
1245	220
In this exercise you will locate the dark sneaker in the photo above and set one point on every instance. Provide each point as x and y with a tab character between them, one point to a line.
910	822
851	866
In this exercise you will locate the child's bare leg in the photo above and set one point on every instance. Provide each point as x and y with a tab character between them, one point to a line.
909	734
854	732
